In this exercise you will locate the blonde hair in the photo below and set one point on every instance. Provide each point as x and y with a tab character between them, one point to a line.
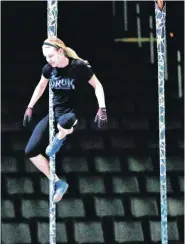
57	43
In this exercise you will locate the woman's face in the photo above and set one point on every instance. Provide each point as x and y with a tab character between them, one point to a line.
53	56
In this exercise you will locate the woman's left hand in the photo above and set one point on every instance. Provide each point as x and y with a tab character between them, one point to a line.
101	117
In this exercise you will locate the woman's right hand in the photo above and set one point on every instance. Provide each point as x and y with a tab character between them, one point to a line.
27	116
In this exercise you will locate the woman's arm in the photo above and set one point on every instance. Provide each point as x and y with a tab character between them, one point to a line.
95	83
101	116
40	88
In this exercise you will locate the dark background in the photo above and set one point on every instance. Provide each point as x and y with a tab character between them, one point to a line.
113	173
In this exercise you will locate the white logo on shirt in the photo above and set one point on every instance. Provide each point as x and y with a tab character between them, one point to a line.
61	83
64	83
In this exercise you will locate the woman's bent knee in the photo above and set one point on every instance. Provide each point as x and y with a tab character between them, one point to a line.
67	120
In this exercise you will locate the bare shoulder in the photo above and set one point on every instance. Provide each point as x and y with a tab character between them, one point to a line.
43	82
94	81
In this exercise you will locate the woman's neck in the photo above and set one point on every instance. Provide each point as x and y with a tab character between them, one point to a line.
64	62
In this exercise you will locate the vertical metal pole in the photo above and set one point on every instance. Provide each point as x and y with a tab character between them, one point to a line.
179	74
138	25
125	15
151	40
160	16
114	7
52	14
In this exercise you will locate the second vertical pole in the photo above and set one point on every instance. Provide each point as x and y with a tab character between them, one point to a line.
52	17
160	16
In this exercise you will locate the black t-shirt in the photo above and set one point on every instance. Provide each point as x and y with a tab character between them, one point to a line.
66	83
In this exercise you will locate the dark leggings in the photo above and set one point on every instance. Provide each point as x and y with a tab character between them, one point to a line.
40	137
